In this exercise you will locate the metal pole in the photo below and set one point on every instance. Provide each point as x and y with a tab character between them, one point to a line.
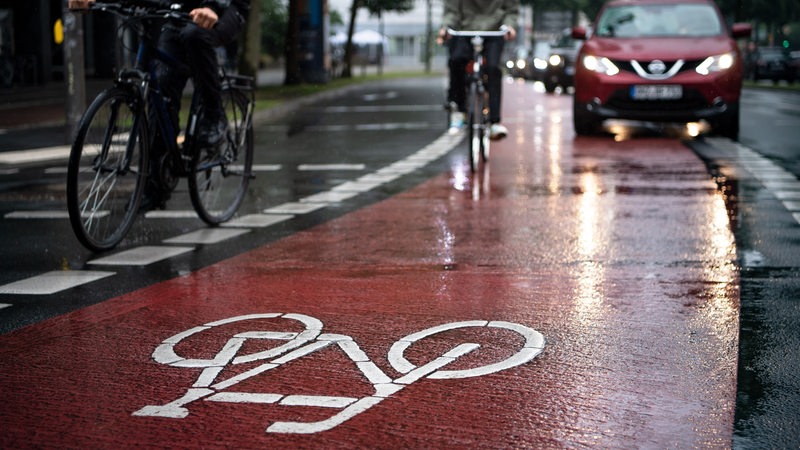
73	70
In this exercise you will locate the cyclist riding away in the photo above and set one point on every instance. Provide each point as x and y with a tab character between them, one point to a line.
215	23
478	15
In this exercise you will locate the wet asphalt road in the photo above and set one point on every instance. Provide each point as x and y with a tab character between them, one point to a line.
351	130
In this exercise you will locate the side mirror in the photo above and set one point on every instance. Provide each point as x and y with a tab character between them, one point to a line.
742	30
579	33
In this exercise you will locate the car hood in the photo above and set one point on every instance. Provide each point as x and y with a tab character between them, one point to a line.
658	48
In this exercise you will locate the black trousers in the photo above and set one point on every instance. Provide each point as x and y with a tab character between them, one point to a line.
197	48
461	52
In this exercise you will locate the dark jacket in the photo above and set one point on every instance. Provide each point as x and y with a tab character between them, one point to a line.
480	15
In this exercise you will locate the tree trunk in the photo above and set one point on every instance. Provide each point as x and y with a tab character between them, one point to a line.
347	71
293	75
251	42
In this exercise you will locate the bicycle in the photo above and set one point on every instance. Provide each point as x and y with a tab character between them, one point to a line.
477	97
109	160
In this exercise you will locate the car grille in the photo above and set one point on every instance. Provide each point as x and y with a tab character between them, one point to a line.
627	65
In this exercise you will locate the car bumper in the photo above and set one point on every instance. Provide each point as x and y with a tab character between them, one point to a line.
701	98
692	107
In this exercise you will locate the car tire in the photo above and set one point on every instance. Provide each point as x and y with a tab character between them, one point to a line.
727	125
585	123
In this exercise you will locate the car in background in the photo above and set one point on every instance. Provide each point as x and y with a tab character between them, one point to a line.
794	63
659	61
560	68
770	63
539	55
519	64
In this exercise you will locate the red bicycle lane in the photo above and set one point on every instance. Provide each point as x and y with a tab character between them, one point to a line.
351	334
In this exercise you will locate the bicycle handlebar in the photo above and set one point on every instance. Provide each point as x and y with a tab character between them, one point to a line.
143	9
467	33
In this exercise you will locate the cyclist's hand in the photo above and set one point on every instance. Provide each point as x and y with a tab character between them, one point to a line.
204	17
511	33
77	5
442	36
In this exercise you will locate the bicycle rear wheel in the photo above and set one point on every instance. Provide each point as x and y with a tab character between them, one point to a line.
475	111
107	169
218	179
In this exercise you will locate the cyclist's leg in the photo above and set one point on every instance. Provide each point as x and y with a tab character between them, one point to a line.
459	54
171	83
200	45
493	49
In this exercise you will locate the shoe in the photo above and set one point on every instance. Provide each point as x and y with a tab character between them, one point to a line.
212	128
497	131
153	197
457	119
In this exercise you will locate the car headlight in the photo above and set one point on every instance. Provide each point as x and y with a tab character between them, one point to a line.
717	63
554	60
521	64
510	64
599	65
540	64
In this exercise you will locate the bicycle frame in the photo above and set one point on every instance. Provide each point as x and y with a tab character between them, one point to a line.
479	142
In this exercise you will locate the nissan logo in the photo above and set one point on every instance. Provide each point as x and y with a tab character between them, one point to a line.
657	67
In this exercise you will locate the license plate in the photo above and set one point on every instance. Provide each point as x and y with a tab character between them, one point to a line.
657	92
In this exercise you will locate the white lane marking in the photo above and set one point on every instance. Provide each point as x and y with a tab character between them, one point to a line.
328	197
141	256
787	195
12	171
171	214
439	147
796	217
781	183
791	206
52	282
266	167
35	155
294	208
384	108
324	167
4	305
52	214
207	236
356	186
257	220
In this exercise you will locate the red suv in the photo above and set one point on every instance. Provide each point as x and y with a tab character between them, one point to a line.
660	61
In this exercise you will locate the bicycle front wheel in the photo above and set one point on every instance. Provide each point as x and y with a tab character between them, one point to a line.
218	179
107	169
474	126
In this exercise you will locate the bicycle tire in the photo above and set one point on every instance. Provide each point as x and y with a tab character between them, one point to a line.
107	169
474	127
218	179
485	136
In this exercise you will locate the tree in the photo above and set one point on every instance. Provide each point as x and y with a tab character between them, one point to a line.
274	19
375	7
251	42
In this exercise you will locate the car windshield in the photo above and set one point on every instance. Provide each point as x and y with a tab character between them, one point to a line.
662	20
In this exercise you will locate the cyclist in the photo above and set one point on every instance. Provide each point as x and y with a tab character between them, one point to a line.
478	15
215	23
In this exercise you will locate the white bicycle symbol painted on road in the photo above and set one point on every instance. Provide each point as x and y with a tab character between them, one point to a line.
208	387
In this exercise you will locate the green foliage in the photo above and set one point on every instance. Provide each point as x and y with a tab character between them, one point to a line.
274	20
378	6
